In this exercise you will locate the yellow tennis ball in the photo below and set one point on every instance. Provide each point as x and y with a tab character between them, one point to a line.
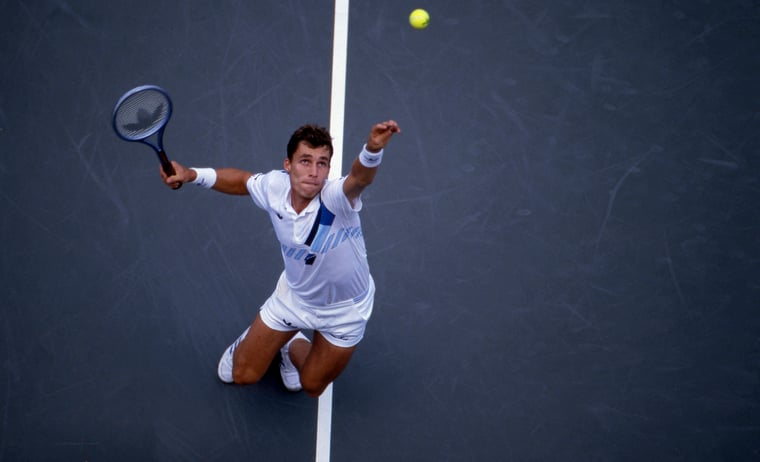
419	19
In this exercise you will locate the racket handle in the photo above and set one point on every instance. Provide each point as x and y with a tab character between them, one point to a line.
166	165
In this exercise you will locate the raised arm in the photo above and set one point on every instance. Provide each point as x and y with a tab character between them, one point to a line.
364	167
225	180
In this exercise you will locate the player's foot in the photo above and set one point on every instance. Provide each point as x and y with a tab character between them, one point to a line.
225	363
288	371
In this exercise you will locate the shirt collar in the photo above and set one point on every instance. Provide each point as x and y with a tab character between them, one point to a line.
311	208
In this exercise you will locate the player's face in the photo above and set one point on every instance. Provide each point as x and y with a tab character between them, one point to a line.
308	172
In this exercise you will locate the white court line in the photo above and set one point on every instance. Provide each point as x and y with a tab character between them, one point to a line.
338	95
324	424
337	109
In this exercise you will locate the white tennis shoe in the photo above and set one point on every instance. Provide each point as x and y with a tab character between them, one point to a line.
225	363
290	377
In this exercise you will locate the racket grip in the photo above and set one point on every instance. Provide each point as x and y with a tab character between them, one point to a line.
167	166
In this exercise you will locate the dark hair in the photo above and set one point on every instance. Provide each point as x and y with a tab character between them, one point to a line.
313	135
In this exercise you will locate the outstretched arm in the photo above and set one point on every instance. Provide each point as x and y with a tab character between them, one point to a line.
228	180
364	167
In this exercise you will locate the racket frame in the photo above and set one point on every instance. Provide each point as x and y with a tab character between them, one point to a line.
158	147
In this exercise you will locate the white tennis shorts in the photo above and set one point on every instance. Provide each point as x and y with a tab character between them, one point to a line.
342	323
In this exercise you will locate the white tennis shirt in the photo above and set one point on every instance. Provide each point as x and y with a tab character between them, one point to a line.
325	263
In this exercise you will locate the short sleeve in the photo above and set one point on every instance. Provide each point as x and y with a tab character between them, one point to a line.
335	199
263	186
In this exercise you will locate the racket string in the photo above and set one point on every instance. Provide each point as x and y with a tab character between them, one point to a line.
142	114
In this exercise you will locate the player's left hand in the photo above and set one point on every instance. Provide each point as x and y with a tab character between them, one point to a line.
381	134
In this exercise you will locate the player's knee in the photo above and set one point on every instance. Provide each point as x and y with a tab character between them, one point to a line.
242	375
313	388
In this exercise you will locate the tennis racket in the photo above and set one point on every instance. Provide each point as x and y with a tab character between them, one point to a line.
141	113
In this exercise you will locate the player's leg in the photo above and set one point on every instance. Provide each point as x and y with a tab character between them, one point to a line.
322	361
256	351
319	362
249	357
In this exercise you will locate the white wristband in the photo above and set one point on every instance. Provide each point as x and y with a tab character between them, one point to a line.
370	159
206	177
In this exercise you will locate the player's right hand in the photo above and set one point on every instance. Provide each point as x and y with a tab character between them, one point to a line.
181	175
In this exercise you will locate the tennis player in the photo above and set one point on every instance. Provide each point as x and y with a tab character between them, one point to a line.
326	287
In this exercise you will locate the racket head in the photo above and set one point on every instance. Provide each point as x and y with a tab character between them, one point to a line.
142	112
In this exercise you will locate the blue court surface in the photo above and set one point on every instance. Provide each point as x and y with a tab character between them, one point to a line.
565	237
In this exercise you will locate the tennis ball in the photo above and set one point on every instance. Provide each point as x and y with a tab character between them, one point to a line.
419	19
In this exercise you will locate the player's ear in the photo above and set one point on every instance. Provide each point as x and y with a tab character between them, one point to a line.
286	164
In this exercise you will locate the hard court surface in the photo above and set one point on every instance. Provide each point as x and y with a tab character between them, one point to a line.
565	237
